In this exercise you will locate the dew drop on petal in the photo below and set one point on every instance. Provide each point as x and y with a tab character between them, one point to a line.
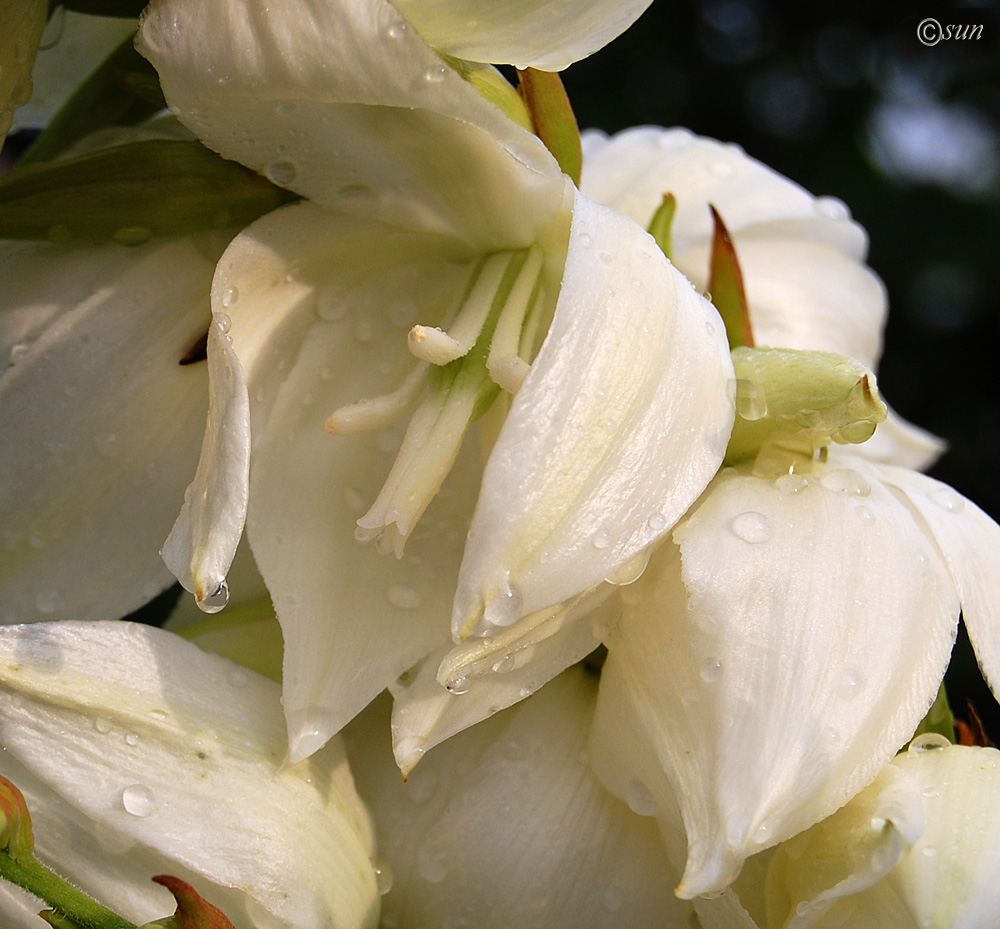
397	30
138	800
791	483
585	240
710	670
458	685
505	664
846	481
384	878
601	539
851	682
132	739
281	172
404	597
929	742
230	295
947	499
48	602
432	865
657	522
640	800
751	527
103	725
764	832
224	323
632	570
832	208
435	74
505	608
928	851
751	402
215	601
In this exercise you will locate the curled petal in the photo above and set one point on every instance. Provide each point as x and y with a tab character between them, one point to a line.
620	424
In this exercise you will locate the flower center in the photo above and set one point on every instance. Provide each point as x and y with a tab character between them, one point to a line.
459	374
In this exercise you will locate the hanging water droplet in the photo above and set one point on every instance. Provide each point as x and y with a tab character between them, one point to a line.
640	799
223	322
791	483
751	527
103	725
230	295
601	539
216	601
404	597
281	172
458	685
851	682
505	608
384	878
48	602
138	800
832	208
751	402
632	570
505	664
846	481
710	670
947	499
929	742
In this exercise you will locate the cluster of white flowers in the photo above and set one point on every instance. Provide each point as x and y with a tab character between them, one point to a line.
467	422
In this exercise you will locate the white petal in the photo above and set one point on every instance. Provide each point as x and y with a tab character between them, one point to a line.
484	676
900	443
101	422
505	825
172	758
969	542
632	171
202	544
770	694
802	293
619	425
73	45
545	34
21	26
320	308
347	105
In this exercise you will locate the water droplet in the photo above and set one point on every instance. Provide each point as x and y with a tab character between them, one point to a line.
357	193
846	481
18	351
928	851
365	330
832	208
947	499
791	483
132	235
422	785
404	597
284	109
432	865
585	240
851	682
223	322
436	74
138	800
751	527
612	900
132	738
103	725
384	878
458	685
331	305
107	445
865	515
397	30
640	800
751	402
657	522
632	570
764	832
230	295
711	670
710	327
48	602
601	539
216	601
929	742
281	172
505	608
505	664
722	169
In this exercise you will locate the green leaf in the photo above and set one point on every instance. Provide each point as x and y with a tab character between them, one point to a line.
121	8
123	91
662	223
132	192
553	118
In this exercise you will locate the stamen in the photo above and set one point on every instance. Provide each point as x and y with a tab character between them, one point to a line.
433	345
378	412
504	364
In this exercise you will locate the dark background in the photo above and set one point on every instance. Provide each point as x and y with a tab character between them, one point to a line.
843	99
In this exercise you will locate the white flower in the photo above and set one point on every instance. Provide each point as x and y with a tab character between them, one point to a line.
426	205
802	256
506	825
140	754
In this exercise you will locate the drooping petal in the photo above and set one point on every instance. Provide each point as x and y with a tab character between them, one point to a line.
142	754
21	26
621	422
782	654
545	34
938	804
632	171
320	306
73	45
969	544
347	105
94	407
505	825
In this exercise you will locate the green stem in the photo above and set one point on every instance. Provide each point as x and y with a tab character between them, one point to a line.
62	896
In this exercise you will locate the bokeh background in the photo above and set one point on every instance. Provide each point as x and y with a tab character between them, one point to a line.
842	98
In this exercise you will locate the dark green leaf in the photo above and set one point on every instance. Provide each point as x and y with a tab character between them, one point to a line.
131	193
